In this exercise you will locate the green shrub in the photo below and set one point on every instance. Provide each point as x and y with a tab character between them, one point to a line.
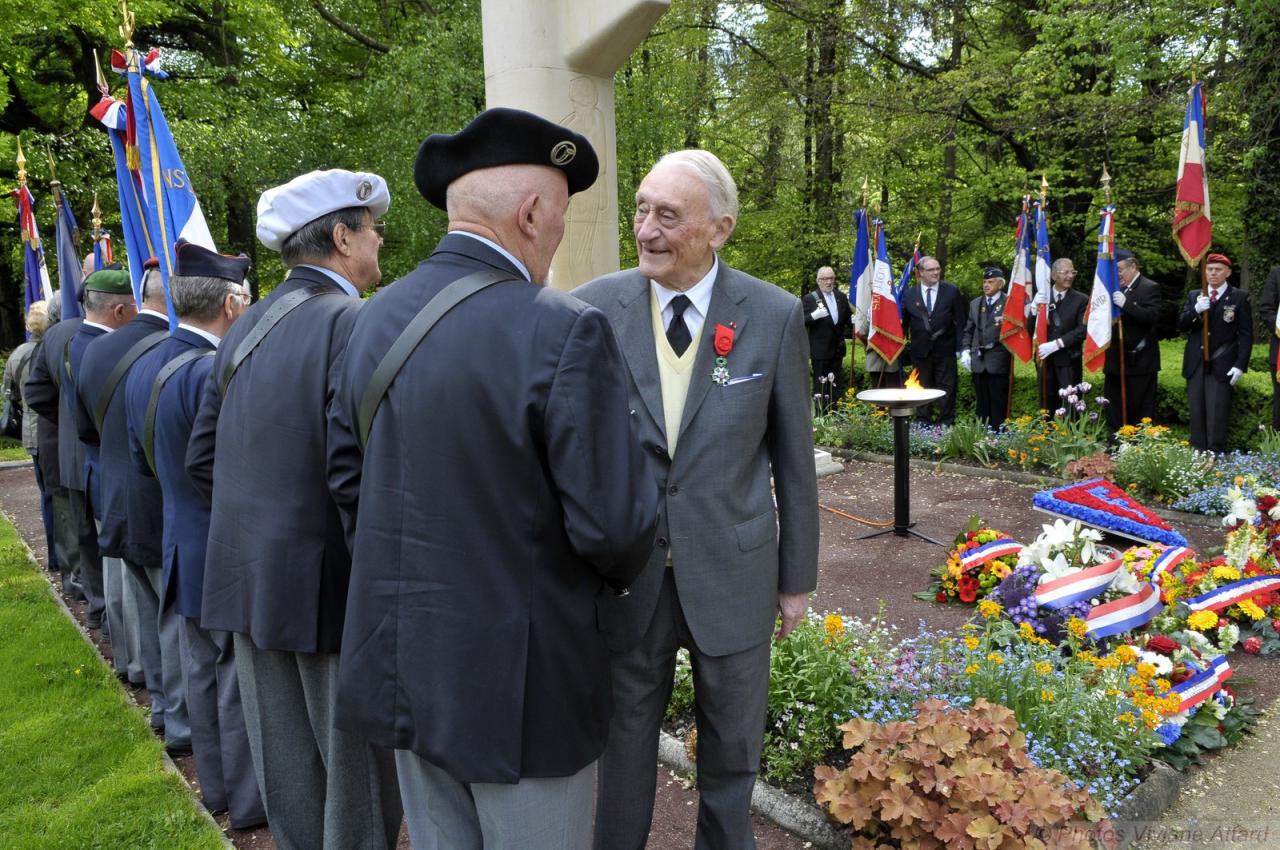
1158	464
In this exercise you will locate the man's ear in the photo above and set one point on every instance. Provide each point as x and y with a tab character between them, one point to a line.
525	215
339	238
724	229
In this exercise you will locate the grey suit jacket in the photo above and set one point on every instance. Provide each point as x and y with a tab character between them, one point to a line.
732	554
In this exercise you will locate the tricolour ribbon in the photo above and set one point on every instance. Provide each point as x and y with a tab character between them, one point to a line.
1230	594
990	551
1125	614
1081	585
1170	558
1202	685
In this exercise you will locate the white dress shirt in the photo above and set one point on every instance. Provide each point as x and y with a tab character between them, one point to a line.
699	300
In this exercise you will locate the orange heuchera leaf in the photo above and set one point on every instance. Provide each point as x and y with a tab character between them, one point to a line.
894	732
1015	814
948	737
900	772
952	831
987	832
899	803
856	732
921	753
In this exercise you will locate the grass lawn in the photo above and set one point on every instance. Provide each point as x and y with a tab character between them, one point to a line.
79	767
11	449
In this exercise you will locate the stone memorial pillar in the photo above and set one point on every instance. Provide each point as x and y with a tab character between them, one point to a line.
557	58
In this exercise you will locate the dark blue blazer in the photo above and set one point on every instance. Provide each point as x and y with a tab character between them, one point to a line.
277	565
1230	334
130	510
186	513
43	394
501	493
90	477
935	334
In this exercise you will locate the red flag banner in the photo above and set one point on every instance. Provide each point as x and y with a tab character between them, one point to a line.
1192	225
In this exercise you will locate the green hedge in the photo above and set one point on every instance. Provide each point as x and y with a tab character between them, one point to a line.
1250	409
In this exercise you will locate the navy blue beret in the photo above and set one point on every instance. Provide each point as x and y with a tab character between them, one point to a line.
197	261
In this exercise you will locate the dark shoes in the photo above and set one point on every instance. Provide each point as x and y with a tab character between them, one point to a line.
177	751
93	621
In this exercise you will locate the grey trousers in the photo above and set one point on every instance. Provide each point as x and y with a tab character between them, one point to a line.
1209	401
87	543
532	814
158	632
731	694
122	624
323	788
218	737
66	544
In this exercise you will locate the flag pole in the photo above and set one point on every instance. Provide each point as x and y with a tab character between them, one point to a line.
1119	323
1044	377
1008	401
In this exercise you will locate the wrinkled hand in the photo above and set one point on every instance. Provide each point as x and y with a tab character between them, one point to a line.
1048	348
1118	299
1203	303
792	607
1233	374
966	360
820	313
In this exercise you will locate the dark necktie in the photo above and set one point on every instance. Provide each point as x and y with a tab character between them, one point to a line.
678	332
928	299
1213	296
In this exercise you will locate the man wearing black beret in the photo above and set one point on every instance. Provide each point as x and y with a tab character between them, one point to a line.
162	394
493	493
1139	301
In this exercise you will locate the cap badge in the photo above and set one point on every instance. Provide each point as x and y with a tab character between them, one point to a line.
364	190
563	153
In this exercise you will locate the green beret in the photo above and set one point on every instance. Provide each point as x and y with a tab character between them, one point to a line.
115	281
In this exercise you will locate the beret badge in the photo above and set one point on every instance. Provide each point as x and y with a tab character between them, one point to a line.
563	153
364	190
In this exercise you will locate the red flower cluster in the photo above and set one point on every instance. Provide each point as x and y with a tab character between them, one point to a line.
1122	506
967	588
1161	644
1252	645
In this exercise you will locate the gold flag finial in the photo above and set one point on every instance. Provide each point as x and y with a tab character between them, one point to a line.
866	187
129	22
53	169
1106	183
22	165
103	88
919	236
97	215
1044	187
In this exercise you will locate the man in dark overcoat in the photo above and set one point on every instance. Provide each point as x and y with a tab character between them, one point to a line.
277	565
717	373
982	352
207	296
828	319
1062	354
1209	385
1139	301
934	316
500	497
1268	305
129	511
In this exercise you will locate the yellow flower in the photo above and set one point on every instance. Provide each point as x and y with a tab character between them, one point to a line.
833	625
1077	627
989	608
1150	718
1225	573
1126	718
971	643
1146	670
995	658
1251	608
1044	668
1046	695
1025	631
1239	479
1125	654
1146	420
971	669
1161	685
1203	620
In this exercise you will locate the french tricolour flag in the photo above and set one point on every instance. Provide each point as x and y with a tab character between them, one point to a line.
1100	314
1078	586
1192	224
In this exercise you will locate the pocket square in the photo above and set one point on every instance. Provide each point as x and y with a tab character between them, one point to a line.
742	379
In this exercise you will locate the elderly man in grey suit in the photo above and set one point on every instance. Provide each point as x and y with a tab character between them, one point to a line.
717	373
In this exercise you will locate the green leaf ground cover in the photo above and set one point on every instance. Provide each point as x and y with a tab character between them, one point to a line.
79	767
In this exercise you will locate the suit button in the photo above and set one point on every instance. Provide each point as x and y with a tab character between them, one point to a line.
673	489
662	542
659	451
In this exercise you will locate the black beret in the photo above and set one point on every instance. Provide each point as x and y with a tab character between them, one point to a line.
1124	254
503	136
197	261
992	272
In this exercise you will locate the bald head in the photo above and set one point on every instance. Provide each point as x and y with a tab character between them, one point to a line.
521	207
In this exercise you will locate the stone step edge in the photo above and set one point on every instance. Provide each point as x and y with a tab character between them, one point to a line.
1013	476
1152	798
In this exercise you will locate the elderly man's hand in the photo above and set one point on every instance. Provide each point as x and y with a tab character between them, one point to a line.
792	607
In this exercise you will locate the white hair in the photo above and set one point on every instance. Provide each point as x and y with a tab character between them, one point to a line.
714	176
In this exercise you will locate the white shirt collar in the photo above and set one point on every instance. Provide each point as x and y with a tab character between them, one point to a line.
699	294
346	285
199	332
495	246
89	324
1218	290
155	313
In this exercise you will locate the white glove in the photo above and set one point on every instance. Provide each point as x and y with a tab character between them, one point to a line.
1233	374
1031	309
1202	303
965	360
1042	296
820	313
1118	299
1049	348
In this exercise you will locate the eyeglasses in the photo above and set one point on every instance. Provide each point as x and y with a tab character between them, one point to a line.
380	228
